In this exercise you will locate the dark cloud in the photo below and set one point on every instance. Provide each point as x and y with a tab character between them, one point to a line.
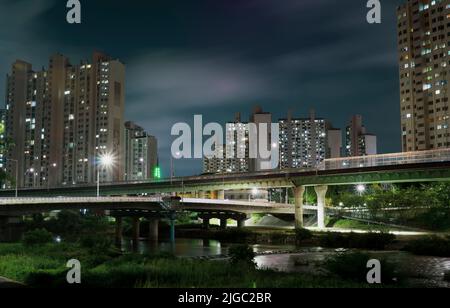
219	57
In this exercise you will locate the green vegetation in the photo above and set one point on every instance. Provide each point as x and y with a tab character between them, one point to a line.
70	225
44	266
37	237
425	206
353	266
375	241
430	246
242	254
303	235
359	225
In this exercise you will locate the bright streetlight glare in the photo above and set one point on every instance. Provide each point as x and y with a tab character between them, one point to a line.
361	188
106	160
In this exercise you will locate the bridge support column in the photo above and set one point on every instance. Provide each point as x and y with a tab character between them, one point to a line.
136	233
221	194
201	195
205	223
172	231
321	192
299	192
223	223
153	225
241	223
119	230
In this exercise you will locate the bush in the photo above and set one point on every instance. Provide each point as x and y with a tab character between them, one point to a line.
430	246
37	237
242	254
376	241
303	235
96	243
353	266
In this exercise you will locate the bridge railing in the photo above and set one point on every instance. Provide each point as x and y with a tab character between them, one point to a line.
386	160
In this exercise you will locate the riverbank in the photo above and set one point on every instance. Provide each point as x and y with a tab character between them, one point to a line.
44	266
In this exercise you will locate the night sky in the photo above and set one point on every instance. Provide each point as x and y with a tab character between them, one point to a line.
218	57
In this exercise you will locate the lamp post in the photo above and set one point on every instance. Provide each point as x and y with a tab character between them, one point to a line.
104	161
172	166
16	162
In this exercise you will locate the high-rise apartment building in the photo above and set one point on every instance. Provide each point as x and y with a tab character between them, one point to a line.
424	51
141	153
358	141
61	119
233	157
3	144
303	143
306	142
260	118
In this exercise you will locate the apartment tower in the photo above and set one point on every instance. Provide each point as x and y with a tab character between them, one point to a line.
424	50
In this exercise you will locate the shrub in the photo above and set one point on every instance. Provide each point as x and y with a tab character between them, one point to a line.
37	237
242	254
96	243
430	246
353	266
303	235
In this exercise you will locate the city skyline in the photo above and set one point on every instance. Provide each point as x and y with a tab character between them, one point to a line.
223	59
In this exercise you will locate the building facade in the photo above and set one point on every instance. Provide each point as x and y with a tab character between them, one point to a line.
424	51
141	153
358	142
61	119
306	142
303	143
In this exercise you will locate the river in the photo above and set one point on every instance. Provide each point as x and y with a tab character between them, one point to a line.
427	271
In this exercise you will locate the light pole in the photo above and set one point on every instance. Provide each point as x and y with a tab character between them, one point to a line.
172	166
16	162
104	161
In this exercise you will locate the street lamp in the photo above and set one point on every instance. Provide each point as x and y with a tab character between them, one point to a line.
172	167
16	162
104	161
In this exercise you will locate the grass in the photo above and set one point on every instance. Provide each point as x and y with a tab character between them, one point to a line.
44	266
359	225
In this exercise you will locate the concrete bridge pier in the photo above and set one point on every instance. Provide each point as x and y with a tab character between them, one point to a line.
299	192
119	231
136	233
205	223
153	229
241	223
223	223
321	192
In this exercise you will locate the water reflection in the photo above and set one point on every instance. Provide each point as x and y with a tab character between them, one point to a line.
181	248
425	270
